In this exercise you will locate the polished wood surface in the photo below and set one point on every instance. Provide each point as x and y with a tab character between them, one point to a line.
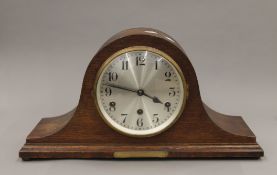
199	132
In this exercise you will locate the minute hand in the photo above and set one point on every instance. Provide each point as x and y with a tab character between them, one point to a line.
120	87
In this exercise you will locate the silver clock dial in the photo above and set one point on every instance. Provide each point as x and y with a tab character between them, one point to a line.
140	91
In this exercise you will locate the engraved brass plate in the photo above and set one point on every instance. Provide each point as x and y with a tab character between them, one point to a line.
140	154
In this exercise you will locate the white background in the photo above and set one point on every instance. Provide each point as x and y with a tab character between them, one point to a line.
46	45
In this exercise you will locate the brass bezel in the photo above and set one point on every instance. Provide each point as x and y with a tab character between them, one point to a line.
141	48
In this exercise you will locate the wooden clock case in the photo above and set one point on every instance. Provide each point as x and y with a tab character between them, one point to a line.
200	132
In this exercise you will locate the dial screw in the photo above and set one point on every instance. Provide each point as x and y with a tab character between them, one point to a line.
112	103
167	104
140	111
140	92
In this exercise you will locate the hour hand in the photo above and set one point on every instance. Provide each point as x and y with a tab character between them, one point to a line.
155	99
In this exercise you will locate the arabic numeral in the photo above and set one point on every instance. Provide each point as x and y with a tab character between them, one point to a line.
155	118
140	122
167	76
172	92
108	91
140	61
112	107
124	117
113	76
167	106
125	65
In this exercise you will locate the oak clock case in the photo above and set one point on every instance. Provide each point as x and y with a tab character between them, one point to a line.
140	99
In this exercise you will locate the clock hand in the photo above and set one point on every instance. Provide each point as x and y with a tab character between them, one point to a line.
120	87
155	99
139	92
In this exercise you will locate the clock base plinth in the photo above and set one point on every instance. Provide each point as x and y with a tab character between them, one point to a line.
37	148
61	151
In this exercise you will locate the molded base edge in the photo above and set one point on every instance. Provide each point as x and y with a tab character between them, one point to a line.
60	151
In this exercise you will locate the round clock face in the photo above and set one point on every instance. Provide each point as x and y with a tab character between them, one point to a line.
140	91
